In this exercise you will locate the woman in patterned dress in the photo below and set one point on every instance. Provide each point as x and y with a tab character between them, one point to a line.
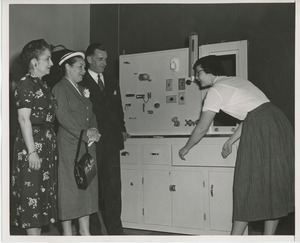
263	187
34	172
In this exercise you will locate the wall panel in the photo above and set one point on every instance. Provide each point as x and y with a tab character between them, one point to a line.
269	28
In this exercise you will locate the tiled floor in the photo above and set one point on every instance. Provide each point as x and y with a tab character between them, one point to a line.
56	230
286	227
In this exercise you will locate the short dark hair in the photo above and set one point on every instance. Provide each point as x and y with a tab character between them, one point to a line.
33	49
92	47
211	64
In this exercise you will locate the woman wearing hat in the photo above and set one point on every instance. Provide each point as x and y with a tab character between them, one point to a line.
74	114
34	169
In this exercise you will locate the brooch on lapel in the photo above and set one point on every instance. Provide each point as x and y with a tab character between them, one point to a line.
115	92
86	93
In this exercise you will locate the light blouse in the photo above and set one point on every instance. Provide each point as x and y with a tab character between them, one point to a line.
234	96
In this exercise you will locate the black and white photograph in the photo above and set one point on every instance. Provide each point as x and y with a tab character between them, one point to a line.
149	121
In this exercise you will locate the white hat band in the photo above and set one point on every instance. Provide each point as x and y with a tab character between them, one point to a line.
70	55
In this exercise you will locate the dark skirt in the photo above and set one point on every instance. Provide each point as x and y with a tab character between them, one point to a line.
263	186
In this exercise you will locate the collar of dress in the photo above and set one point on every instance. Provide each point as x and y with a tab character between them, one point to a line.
217	79
74	85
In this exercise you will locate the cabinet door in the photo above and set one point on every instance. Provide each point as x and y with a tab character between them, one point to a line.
157	197
131	196
220	199
188	199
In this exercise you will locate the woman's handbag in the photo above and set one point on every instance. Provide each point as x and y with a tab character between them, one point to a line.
85	169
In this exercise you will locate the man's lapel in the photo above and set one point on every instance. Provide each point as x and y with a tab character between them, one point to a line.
94	84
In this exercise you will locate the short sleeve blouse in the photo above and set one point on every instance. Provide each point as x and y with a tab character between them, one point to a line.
33	93
234	96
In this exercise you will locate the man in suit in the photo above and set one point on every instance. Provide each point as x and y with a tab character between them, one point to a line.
107	105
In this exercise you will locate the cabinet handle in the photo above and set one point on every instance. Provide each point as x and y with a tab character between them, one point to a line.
172	188
154	153
125	153
131	183
212	190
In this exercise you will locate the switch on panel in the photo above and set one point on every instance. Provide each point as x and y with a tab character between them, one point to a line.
174	64
169	84
181	84
181	98
171	99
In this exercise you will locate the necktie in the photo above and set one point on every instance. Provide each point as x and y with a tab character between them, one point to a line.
100	83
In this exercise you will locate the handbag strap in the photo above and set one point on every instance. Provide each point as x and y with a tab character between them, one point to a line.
78	146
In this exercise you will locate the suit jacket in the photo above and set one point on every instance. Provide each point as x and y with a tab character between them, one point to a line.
107	105
74	111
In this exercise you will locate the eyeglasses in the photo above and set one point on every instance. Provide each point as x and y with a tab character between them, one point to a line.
198	72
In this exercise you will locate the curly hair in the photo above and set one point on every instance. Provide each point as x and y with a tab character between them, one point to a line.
33	49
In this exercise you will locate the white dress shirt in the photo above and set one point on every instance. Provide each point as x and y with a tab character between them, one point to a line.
95	76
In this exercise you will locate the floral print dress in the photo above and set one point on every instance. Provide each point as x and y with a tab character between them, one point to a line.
34	192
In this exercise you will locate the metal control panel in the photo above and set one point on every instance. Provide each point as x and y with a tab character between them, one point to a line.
157	94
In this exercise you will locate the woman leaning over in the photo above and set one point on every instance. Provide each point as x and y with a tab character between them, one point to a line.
34	172
74	114
263	187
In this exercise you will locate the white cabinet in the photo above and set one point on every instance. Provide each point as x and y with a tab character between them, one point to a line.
157	198
220	199
174	198
131	189
188	199
160	192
